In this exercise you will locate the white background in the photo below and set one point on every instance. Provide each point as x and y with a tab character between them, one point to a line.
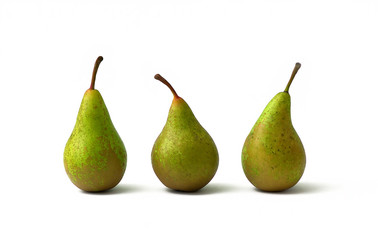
227	59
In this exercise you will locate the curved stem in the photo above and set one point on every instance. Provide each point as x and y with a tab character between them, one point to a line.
97	64
295	70
163	80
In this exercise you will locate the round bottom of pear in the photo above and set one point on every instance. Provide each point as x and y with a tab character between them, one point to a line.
185	180
94	179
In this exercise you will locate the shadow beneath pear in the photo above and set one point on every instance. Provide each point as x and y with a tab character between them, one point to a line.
215	188
300	188
119	189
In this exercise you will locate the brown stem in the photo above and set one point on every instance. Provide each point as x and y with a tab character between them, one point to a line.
163	80
295	70
97	64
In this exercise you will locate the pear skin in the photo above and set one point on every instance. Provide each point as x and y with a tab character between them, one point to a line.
184	156
94	156
273	156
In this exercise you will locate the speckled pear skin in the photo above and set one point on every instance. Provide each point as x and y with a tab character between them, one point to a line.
94	156
184	156
273	156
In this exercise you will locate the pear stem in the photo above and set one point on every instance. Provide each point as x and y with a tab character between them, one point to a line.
163	80
97	64
295	70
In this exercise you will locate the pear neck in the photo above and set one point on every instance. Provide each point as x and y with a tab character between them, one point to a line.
91	91
280	104
180	114
176	97
93	112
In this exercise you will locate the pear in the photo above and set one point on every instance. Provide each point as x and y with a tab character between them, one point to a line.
184	156
273	155
94	156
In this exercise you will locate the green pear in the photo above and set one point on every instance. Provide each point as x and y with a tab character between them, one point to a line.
94	156
273	155
184	156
